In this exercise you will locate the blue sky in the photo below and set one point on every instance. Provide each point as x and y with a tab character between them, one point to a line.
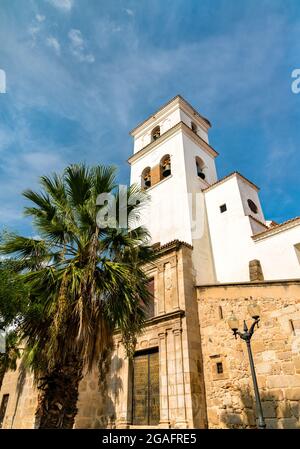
82	73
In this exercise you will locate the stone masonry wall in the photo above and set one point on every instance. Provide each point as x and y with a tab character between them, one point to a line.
22	401
276	352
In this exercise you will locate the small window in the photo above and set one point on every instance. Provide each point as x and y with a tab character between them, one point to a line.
223	208
252	206
219	366
297	249
146	178
292	327
165	166
155	133
149	311
3	408
194	127
221	313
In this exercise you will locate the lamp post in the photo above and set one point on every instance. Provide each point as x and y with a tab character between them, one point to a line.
233	323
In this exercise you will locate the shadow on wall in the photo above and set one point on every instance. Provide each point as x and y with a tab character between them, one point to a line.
110	385
279	412
19	389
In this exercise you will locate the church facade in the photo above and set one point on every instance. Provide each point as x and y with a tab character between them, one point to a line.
217	254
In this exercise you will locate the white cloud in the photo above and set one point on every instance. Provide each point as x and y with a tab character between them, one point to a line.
42	162
53	43
64	5
33	31
6	138
40	18
36	27
78	47
76	38
129	12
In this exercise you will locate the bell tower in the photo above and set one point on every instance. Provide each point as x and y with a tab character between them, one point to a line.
173	162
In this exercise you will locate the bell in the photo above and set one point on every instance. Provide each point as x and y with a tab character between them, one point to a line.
201	175
147	182
167	170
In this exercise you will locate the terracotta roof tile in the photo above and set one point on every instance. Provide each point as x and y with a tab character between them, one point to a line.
157	247
276	227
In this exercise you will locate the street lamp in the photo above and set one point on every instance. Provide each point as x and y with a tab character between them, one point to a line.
233	323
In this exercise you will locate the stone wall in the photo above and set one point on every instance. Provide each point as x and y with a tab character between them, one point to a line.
173	330
22	401
276	352
92	404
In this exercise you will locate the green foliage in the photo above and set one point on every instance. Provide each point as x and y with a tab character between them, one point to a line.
13	293
82	282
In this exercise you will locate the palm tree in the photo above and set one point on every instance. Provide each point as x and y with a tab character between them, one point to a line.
84	282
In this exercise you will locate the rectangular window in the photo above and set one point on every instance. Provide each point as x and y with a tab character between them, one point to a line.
292	327
220	313
3	408
150	305
220	368
223	208
297	249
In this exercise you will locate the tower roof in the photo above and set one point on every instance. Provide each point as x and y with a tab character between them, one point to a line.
181	101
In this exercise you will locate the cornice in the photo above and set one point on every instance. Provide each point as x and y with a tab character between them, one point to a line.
276	229
226	178
250	284
258	221
179	101
160	319
181	126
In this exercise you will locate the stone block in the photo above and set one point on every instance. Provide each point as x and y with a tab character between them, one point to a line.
269	409
268	356
297	364
288	367
273	423
263	368
293	394
249	417
283	410
290	423
295	408
275	394
234	420
278	381
213	417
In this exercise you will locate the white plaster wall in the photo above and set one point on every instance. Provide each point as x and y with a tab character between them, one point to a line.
176	209
278	256
256	227
231	234
191	151
167	215
188	119
165	122
248	192
229	231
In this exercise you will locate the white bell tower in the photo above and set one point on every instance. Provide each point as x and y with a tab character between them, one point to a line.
173	161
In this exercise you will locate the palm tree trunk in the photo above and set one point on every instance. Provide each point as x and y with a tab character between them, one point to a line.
57	402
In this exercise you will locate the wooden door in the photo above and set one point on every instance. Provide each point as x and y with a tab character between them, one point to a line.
146	388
